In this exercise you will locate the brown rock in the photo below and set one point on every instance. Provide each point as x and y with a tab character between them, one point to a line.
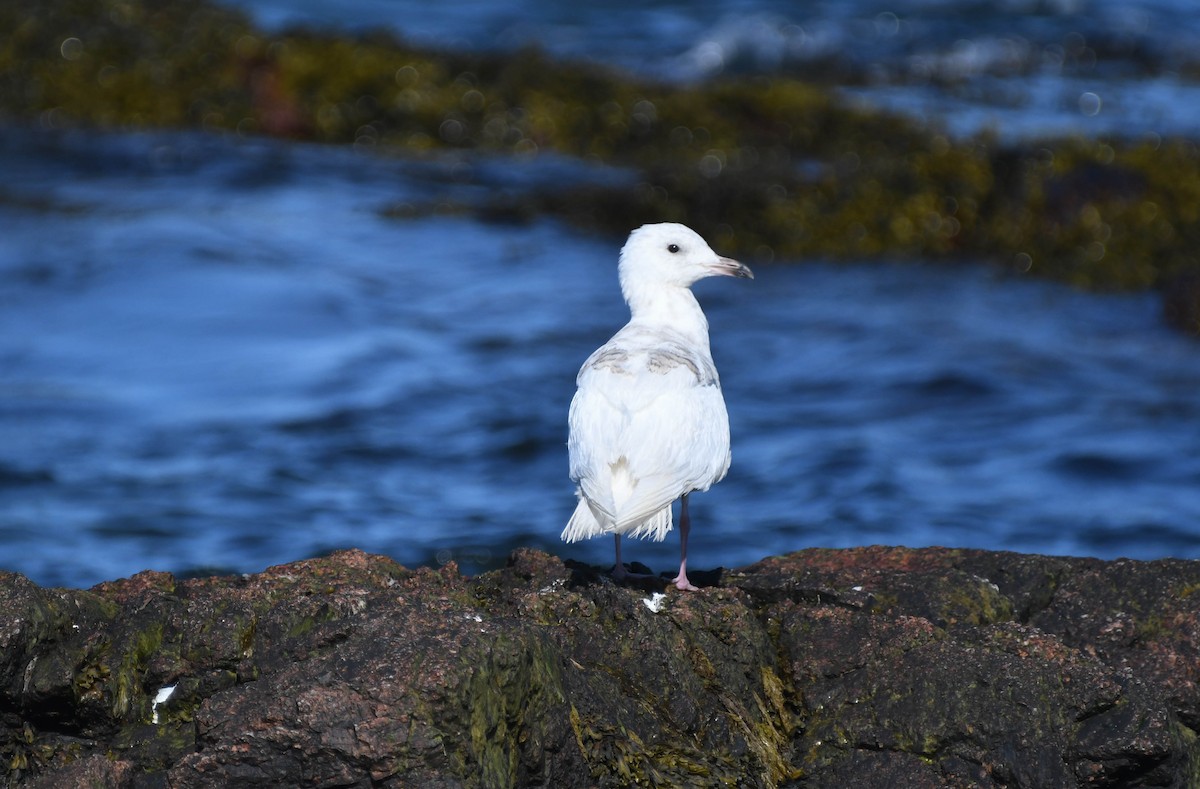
872	666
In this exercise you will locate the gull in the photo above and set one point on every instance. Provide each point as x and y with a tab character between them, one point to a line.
648	423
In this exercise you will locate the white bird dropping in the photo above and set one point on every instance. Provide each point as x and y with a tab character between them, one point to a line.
648	423
161	697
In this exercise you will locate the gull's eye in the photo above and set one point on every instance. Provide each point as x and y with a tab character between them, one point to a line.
672	248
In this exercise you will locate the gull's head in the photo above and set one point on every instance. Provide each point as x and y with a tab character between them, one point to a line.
671	254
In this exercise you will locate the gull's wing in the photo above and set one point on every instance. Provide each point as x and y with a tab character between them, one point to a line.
647	425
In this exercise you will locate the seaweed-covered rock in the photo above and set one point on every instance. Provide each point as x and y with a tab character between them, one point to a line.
872	666
776	168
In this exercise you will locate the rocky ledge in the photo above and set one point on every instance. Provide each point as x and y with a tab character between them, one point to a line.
863	667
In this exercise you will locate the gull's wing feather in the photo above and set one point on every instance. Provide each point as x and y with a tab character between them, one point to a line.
647	425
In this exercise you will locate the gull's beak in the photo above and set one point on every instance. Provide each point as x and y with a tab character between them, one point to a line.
727	267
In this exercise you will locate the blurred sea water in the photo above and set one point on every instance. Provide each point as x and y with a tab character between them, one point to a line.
218	354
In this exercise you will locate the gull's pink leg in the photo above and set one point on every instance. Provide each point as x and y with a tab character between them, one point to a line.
681	581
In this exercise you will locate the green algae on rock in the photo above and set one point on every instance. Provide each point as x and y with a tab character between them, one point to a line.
833	668
778	168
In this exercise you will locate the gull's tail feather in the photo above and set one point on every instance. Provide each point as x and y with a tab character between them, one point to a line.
615	508
583	524
655	527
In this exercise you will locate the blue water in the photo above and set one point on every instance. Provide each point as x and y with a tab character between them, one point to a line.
218	354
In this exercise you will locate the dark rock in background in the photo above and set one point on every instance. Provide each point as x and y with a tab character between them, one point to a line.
872	666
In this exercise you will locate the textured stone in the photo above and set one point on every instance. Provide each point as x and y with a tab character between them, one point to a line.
873	666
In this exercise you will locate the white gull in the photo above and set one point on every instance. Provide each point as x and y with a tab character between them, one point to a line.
648	422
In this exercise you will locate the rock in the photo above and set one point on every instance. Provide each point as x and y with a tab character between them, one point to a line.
823	668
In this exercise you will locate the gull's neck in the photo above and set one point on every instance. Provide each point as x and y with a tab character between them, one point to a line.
667	306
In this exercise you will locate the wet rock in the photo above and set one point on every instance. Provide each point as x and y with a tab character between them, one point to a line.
872	666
